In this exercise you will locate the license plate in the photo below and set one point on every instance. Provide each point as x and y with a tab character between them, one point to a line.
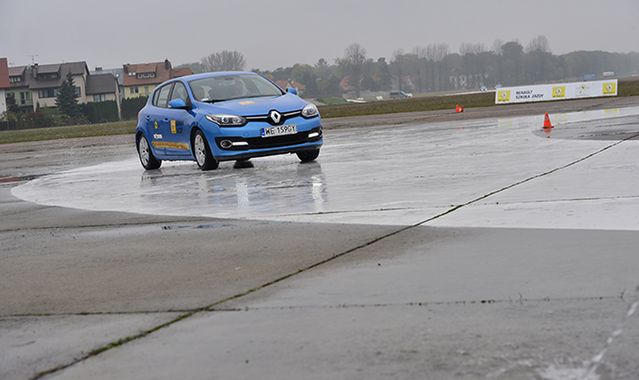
279	130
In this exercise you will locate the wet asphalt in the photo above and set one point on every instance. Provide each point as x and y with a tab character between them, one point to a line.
315	294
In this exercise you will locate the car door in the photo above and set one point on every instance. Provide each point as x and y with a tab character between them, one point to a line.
178	121
159	122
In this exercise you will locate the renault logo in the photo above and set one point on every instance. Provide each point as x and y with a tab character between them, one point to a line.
275	116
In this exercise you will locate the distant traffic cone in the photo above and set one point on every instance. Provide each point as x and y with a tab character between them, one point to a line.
458	108
547	124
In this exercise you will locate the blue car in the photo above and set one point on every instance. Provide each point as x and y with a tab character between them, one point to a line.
225	116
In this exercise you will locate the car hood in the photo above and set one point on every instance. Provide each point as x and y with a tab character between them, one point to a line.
254	106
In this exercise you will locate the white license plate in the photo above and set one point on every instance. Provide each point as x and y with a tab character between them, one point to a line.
279	130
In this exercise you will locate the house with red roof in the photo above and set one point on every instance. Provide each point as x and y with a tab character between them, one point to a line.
37	85
141	78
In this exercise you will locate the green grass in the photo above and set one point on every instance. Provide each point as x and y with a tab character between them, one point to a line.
54	133
626	88
333	100
408	105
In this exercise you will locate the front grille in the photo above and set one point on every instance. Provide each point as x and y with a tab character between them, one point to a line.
271	142
285	116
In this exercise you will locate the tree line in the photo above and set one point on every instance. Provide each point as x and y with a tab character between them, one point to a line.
435	67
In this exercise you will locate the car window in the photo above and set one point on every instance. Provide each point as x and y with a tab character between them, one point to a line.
163	96
220	88
179	92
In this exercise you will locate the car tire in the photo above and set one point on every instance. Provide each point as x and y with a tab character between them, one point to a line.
147	159
202	152
308	155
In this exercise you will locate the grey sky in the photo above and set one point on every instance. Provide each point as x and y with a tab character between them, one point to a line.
276	33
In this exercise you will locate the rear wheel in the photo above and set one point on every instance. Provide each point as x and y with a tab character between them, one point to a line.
308	155
202	152
147	159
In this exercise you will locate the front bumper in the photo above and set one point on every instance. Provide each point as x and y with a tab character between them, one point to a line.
246	142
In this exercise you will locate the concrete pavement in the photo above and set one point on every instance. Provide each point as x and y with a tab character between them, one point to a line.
235	288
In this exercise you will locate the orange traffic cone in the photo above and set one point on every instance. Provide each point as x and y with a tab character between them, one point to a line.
459	108
547	124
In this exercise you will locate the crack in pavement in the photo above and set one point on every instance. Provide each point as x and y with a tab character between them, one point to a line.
488	301
163	224
585	199
520	301
349	211
92	313
212	306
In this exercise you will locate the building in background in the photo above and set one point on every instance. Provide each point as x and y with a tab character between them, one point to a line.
19	93
33	86
141	78
102	88
4	85
117	73
45	80
37	85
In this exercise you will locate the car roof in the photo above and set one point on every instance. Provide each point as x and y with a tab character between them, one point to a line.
214	74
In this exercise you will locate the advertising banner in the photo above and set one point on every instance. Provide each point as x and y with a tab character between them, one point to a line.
556	91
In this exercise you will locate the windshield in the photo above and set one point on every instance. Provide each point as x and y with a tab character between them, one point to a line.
220	88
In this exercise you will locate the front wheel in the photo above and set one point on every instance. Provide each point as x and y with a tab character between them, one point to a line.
147	159
308	155
202	152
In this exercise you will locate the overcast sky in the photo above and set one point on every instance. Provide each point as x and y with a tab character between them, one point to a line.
277	33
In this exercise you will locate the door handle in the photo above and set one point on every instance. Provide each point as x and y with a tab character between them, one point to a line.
147	117
166	119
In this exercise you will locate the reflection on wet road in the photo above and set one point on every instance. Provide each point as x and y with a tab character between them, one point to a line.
381	175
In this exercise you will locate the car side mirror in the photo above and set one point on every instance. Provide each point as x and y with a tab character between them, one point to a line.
178	104
292	90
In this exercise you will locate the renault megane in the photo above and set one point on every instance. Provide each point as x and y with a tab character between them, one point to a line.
225	116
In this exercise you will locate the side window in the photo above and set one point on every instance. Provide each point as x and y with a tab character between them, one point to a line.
179	92
161	96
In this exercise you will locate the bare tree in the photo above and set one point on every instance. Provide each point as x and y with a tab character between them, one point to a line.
470	48
436	53
496	48
421	66
225	60
353	61
539	44
397	64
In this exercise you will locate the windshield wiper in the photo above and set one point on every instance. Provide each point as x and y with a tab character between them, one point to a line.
257	96
207	100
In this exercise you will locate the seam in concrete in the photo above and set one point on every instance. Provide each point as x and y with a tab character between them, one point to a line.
92	313
490	301
519	301
125	224
210	307
348	211
585	199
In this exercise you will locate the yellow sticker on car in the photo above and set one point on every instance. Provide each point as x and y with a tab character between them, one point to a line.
610	88
247	102
559	92
503	95
170	145
173	127
155	125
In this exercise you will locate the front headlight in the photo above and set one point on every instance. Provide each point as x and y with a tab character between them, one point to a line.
227	120
310	110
